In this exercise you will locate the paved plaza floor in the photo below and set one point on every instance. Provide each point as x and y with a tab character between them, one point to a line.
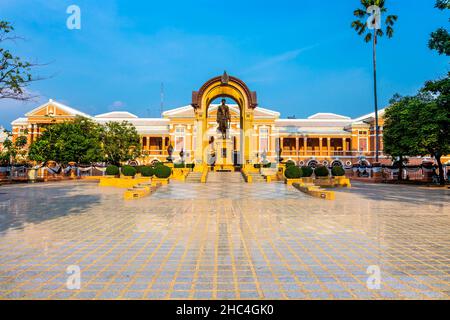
237	240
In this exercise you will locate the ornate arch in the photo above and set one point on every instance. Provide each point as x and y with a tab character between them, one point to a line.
224	86
224	82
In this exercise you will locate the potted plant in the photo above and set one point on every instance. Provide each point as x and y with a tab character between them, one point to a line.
112	171
162	174
306	174
338	174
337	171
128	172
147	171
292	174
321	172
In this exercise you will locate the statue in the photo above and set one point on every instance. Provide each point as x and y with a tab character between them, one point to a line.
223	118
170	152
182	155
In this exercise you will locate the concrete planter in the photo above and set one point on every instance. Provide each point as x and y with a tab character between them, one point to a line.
289	182
324	182
117	182
126	177
307	180
160	181
143	179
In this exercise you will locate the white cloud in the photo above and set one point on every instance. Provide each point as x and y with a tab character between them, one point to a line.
116	105
279	59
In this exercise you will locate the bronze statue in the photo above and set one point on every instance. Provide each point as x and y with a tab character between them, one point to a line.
223	118
170	152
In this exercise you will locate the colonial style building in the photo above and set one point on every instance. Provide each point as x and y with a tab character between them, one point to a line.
256	134
321	138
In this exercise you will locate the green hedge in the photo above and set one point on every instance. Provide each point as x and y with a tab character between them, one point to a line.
128	171
157	163
179	165
337	171
190	165
321	171
147	171
290	163
162	171
293	172
267	165
257	166
307	172
112	170
138	169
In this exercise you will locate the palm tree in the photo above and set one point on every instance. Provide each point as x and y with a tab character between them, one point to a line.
368	25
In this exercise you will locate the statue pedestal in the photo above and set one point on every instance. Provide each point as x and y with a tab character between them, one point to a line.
224	155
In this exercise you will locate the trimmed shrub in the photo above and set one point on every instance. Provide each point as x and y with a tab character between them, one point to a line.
147	171
307	172
290	163
138	169
157	163
128	171
267	165
257	166
179	165
190	165
162	171
112	170
337	171
321	171
293	172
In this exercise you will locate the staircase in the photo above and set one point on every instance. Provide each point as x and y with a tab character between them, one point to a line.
194	177
225	177
257	177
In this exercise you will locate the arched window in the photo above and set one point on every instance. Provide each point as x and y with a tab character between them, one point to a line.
312	163
337	163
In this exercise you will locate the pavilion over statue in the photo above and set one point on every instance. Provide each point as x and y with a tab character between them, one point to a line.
224	86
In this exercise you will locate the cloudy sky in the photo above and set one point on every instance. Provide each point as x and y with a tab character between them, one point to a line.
301	57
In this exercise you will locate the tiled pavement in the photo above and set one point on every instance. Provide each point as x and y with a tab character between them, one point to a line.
233	241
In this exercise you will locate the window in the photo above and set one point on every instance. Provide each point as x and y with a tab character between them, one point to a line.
363	144
263	139
179	138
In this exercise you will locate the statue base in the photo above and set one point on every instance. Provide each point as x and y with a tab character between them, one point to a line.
224	149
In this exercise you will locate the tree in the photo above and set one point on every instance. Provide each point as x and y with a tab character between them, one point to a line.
440	39
13	150
433	121
369	25
121	142
15	74
78	140
420	125
397	138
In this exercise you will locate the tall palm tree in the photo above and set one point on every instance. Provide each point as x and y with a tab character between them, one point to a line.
369	25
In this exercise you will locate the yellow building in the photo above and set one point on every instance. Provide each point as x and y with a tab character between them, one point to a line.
256	134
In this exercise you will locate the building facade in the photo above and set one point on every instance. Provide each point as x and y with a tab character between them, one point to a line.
256	134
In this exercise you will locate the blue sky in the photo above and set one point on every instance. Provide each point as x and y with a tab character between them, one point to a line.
301	57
